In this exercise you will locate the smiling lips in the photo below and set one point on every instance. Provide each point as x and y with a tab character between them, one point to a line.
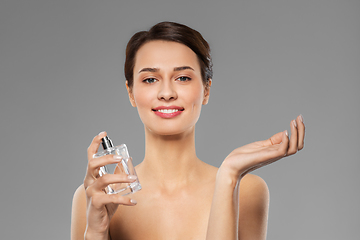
168	111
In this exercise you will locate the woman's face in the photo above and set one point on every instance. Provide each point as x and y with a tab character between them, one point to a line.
167	89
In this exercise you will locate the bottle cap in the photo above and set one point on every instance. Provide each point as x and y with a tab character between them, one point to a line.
107	143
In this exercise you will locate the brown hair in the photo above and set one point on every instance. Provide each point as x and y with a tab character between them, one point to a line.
174	32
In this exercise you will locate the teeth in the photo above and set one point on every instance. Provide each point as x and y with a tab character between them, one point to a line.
168	110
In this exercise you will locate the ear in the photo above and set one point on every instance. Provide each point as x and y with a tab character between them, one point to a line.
131	95
207	92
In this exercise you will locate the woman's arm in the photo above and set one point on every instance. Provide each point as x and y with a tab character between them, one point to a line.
231	178
233	220
92	208
223	220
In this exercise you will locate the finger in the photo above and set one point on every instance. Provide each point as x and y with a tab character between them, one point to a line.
271	153
301	131
102	182
275	139
293	145
98	186
94	146
100	200
284	146
94	167
95	163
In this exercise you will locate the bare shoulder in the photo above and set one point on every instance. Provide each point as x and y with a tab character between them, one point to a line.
78	205
79	197
80	192
254	191
253	183
78	213
253	207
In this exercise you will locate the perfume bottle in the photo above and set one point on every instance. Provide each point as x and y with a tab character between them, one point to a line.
125	166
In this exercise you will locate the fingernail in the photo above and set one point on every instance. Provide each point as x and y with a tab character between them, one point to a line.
117	157
101	133
132	177
286	133
294	123
301	118
133	201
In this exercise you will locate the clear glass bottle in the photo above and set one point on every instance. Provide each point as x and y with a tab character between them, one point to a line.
125	166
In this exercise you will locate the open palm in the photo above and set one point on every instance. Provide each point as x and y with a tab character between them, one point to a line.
255	155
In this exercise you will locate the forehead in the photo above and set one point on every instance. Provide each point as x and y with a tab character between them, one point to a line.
165	54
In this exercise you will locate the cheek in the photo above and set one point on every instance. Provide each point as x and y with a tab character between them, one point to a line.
142	104
194	96
141	97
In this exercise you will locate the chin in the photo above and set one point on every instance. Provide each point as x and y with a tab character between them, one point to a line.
170	131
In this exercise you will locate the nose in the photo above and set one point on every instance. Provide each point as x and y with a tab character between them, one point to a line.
167	91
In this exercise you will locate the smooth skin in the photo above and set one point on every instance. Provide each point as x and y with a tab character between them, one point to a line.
182	197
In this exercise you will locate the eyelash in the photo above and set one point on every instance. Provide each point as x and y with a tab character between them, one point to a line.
152	80
147	80
187	78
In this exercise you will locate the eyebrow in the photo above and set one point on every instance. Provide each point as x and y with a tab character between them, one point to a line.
176	69
183	68
149	70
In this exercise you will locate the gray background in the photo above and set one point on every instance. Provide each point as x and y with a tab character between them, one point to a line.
61	70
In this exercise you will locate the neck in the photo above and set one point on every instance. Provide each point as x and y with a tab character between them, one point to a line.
170	160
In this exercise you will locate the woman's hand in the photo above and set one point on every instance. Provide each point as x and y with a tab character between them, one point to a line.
101	206
255	155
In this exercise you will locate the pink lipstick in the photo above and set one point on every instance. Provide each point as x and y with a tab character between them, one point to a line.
168	111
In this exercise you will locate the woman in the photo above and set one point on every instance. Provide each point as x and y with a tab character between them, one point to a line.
168	78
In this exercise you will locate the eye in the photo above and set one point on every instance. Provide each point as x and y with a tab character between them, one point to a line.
149	80
183	79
